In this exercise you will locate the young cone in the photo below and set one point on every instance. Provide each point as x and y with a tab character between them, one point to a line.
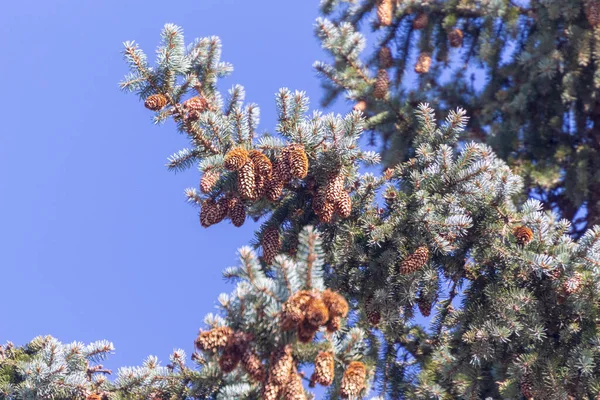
236	158
353	381
415	261
385	12
246	181
382	84
155	102
421	21
423	63
324	368
271	243
208	180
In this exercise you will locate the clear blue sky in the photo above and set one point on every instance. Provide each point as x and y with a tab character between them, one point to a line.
97	241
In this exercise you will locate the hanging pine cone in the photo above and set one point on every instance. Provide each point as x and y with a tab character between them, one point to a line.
421	21
385	57
281	366
274	188
335	302
592	12
281	168
236	210
262	164
334	324
344	205
253	366
385	12
353	381
373	314
573	284
214	339
293	310
271	391
208	180
196	103
527	386
425	304
415	261
335	188
361	105
246	182
271	244
324	368
294	389
317	313
229	360
423	63
523	234
213	212
155	102
260	185
322	207
297	160
455	37
236	158
306	331
382	84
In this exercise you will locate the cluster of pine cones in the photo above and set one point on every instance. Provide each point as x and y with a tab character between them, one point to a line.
306	311
331	199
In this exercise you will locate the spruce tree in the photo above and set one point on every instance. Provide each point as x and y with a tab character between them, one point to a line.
344	262
527	72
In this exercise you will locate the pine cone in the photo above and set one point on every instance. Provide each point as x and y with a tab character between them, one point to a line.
155	102
415	261
306	331
281	168
253	365
335	302
213	212
246	181
294	389
324	368
271	391
270	244
236	158
322	207
385	57
455	37
317	313
229	360
236	210
421	21
262	164
344	205
196	103
361	105
293	310
592	12
524	234
214	339
334	324
573	284
423	63
281	366
527	386
373	314
353	381
382	84
297	160
274	188
335	188
208	180
385	12
425	303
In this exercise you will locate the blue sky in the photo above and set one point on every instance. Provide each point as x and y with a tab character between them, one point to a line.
97	241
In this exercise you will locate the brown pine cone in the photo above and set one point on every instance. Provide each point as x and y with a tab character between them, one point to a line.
196	103
415	261
214	339
246	181
208	180
262	164
344	205
373	314
385	58
334	324
236	210
274	188
423	63
523	234
425	304
236	158
353	381
317	313
281	366
335	302
294	389
281	168
335	188
324	368
297	160
253	365
155	102
271	244
294	309
455	37
592	12
229	360
212	212
385	12
527	386
271	391
382	84
421	21
306	331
